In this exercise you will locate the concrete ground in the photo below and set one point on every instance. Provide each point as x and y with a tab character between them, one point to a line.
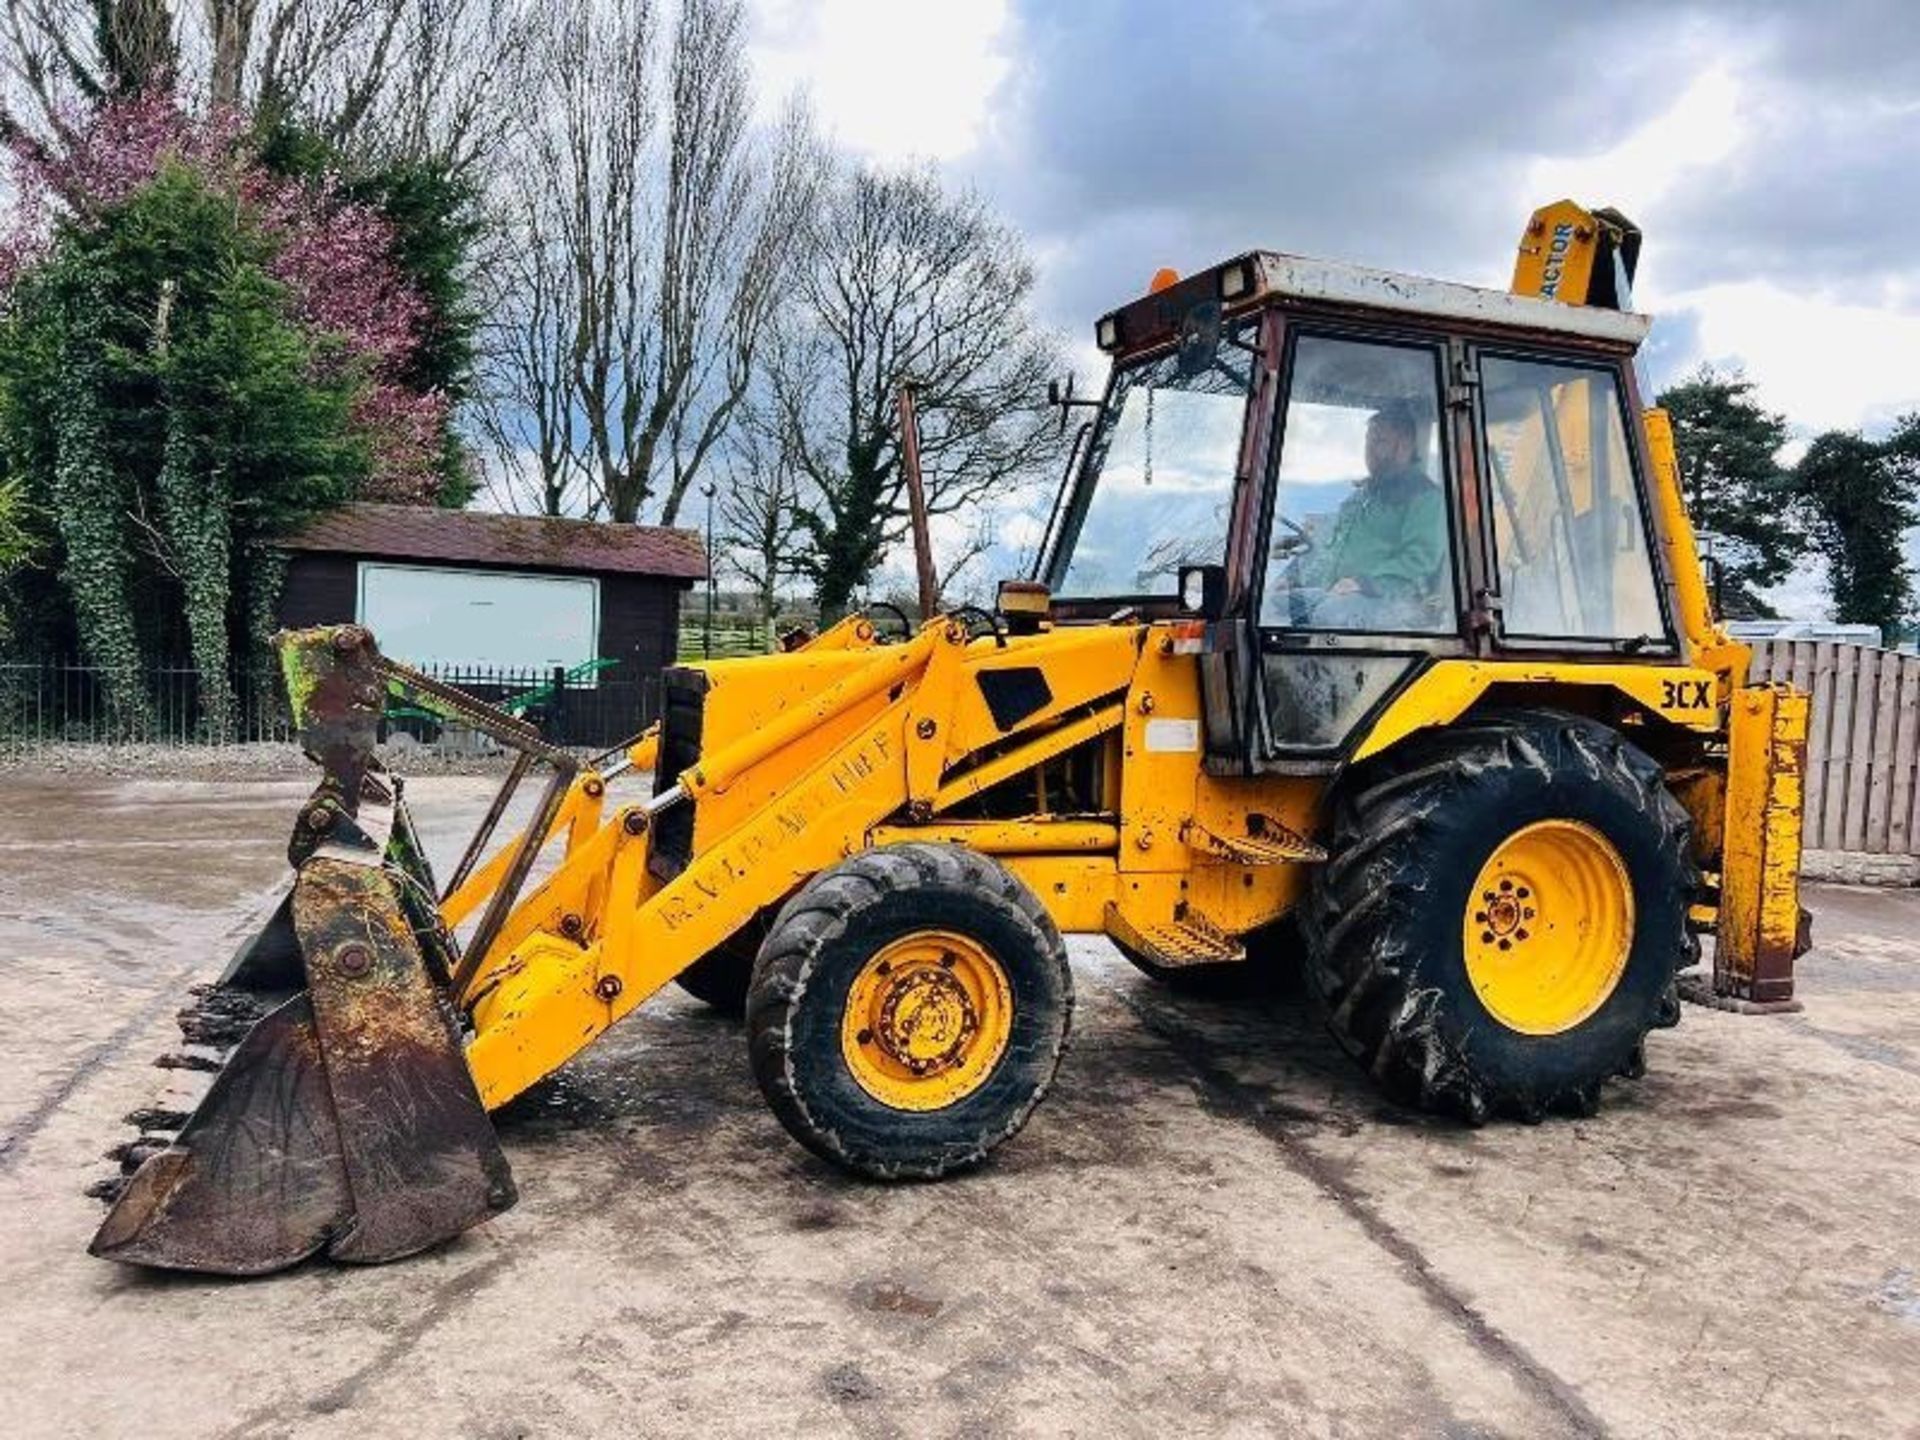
1213	1226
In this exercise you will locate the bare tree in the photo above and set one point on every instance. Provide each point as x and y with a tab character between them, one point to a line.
906	282
657	218
760	522
397	78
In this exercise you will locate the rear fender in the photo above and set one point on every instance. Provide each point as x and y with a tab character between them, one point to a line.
1442	693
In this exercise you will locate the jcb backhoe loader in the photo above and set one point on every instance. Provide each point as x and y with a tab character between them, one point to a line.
1369	629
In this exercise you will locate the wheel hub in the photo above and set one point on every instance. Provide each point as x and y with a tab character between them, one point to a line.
1549	926
927	1019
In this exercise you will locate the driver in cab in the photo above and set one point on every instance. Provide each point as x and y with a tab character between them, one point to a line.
1381	565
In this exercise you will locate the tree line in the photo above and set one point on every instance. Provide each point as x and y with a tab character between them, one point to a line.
262	257
267	256
1849	500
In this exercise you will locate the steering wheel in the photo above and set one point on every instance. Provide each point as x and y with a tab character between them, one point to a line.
1301	542
906	625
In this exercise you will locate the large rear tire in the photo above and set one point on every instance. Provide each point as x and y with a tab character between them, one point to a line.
720	977
908	1010
1502	913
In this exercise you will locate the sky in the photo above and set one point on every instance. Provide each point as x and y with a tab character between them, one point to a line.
1768	150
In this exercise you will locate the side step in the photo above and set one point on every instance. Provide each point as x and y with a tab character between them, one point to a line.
1191	939
1274	845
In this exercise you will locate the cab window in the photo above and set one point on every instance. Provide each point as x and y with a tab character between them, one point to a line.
1570	540
1158	484
1360	540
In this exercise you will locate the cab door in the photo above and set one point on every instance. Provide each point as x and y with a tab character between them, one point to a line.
1362	568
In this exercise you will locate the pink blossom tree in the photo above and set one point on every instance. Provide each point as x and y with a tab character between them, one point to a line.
334	254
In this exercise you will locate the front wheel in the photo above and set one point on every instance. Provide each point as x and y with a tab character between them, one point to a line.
1502	914
908	1010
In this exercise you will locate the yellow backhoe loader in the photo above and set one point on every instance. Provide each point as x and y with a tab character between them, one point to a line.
1368	631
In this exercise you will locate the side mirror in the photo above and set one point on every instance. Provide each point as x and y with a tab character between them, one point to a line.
1203	590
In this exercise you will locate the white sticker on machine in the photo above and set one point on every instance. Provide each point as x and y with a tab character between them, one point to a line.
1178	737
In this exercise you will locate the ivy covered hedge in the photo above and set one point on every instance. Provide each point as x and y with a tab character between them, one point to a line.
198	353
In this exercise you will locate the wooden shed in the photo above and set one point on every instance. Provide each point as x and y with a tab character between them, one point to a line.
472	595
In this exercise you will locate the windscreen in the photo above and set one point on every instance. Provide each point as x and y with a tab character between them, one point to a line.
1157	486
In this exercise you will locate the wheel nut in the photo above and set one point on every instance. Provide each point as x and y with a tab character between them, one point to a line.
355	961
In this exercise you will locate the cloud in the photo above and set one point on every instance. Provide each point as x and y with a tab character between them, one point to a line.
1767	147
886	78
1761	145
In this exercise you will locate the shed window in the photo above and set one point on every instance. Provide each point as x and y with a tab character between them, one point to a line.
480	620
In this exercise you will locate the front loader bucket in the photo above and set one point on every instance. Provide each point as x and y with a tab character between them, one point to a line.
345	1120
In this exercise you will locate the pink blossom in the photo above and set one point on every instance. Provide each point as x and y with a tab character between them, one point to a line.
404	430
334	255
122	146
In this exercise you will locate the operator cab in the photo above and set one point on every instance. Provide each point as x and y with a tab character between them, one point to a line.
1361	473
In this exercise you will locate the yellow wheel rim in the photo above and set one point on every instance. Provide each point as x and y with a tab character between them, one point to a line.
927	1019
1548	926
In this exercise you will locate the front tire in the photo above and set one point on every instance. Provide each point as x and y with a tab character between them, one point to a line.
908	1011
1502	914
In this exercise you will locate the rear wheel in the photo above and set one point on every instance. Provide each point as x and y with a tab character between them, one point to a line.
908	1010
721	976
1502	914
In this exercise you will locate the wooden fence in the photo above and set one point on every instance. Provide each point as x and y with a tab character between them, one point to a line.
1863	742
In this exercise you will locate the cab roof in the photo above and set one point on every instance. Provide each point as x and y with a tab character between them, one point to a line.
1268	276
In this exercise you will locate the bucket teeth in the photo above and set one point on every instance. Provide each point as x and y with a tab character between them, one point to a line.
132	1154
156	1117
217	1019
196	1058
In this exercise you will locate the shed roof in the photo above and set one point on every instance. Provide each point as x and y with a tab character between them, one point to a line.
478	537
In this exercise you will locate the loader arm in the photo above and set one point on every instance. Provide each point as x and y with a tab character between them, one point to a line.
904	734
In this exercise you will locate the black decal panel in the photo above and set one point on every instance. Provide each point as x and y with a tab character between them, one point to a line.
1014	693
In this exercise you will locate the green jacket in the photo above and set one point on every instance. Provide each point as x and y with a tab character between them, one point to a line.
1390	535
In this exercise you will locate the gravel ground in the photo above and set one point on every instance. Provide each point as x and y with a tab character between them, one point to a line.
1212	1226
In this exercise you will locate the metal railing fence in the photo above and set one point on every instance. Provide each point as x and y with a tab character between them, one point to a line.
62	701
